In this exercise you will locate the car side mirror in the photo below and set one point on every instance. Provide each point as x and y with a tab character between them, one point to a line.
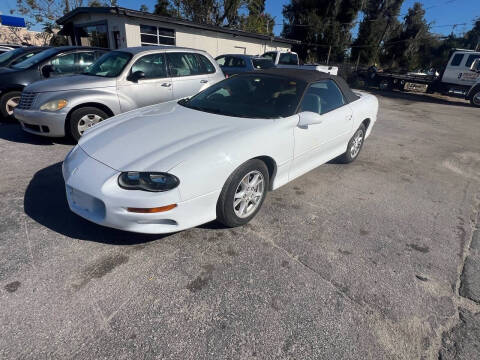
475	65
309	118
47	70
135	76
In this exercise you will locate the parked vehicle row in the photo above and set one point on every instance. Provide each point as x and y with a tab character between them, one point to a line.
52	62
119	81
190	146
290	60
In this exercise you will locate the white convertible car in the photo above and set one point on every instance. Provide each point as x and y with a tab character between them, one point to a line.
176	165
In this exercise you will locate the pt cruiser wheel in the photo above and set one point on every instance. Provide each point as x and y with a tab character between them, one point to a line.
243	194
475	99
354	146
8	102
83	119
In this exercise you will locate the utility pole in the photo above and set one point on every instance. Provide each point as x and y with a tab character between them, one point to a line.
329	51
383	36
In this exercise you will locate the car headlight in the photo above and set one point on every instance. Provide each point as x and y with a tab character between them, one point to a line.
148	181
54	105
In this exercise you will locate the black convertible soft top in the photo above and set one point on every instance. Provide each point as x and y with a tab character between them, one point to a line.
310	76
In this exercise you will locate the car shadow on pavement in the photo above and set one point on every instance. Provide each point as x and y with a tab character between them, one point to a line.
46	203
13	132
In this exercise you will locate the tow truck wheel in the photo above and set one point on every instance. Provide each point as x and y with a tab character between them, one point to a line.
475	99
386	85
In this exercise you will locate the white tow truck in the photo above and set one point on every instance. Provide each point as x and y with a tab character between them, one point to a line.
459	78
289	59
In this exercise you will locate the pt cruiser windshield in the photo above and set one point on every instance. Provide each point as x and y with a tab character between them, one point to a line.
109	65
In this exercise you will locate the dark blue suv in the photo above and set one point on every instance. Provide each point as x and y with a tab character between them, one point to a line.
232	64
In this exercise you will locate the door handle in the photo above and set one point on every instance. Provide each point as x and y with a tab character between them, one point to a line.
167	84
203	81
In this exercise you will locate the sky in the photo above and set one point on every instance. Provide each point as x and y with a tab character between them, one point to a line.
438	12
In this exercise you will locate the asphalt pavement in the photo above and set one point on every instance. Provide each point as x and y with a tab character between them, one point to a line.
378	259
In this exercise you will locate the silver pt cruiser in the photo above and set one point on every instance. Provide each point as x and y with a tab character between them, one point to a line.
119	81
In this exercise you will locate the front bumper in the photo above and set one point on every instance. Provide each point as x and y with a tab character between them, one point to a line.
93	193
43	123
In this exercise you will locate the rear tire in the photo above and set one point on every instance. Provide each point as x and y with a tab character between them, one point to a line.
243	194
386	85
354	146
8	102
83	119
475	99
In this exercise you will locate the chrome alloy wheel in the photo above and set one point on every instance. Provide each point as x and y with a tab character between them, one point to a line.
476	98
12	104
249	194
356	144
87	121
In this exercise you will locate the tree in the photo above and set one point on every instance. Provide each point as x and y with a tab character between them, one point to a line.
324	26
402	51
257	21
44	11
163	8
95	3
143	8
380	19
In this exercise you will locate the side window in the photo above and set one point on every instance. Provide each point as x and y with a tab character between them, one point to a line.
23	57
183	64
207	65
221	60
322	97
270	55
85	59
238	62
457	59
152	65
471	59
64	63
288	59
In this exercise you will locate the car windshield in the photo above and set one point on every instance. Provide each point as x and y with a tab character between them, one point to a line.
36	59
6	56
109	65
262	63
251	96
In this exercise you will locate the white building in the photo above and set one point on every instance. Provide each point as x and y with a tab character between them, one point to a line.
116	27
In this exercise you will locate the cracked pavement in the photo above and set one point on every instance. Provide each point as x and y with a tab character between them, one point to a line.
377	259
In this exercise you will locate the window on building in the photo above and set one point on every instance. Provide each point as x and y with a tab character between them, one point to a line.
471	59
92	35
153	35
457	59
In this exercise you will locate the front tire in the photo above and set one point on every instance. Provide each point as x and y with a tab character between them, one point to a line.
354	146
475	99
83	119
8	102
243	194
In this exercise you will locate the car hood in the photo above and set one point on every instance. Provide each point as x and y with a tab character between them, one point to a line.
159	137
73	82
